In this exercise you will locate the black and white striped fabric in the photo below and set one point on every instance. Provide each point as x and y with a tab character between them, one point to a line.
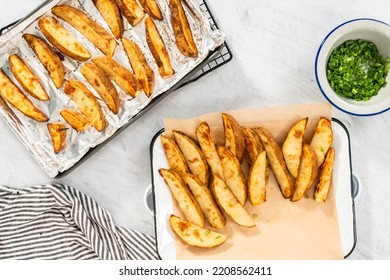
59	222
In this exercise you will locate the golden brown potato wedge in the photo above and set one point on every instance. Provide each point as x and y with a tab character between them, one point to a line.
48	57
98	79
187	203
193	156
253	145
111	14
227	201
131	11
183	34
308	170
234	138
76	120
142	70
322	188
57	132
84	24
86	102
194	235
292	146
121	75
26	78
158	49
234	177
275	158
12	94
61	38
209	150
322	139
257	180
206	201
174	156
151	8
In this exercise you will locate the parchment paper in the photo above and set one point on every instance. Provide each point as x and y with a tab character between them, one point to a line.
284	229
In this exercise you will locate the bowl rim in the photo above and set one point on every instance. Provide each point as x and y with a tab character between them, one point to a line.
316	67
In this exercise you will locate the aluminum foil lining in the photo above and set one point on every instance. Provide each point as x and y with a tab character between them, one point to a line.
35	135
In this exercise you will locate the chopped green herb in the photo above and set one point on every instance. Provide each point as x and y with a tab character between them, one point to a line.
322	150
306	196
218	237
255	215
207	232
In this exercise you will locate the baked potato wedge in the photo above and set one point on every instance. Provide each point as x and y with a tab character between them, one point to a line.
253	145
292	146
26	78
48	57
323	185
194	235
174	156
76	120
151	8
98	79
142	70
57	132
228	202
61	38
234	138
257	180
90	29
13	95
119	74
308	171
194	157
112	15
322	139
86	102
234	177
158	49
206	201
131	11
276	161
181	29
187	203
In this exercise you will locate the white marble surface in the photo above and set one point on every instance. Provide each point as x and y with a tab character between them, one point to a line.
274	44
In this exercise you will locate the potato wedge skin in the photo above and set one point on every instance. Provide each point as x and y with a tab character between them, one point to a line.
48	57
323	185
112	16
131	11
12	94
322	139
151	8
26	78
90	29
76	120
98	79
292	146
253	145
257	180
61	38
174	156
57	133
234	138
86	102
194	235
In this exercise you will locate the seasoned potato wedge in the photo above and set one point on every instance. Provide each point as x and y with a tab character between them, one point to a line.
209	150
131	11
12	94
194	235
121	75
183	34
76	120
61	38
275	158
253	145
187	203
308	170
142	70
234	138
26	78
111	14
174	156
151	8
57	133
322	188
227	201
234	177
86	102
322	139
98	79
193	156
84	24
206	202
48	57
158	49
257	179
292	146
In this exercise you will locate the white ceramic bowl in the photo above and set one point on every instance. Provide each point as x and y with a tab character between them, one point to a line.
372	30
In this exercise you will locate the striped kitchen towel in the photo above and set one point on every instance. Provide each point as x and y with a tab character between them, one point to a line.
59	222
